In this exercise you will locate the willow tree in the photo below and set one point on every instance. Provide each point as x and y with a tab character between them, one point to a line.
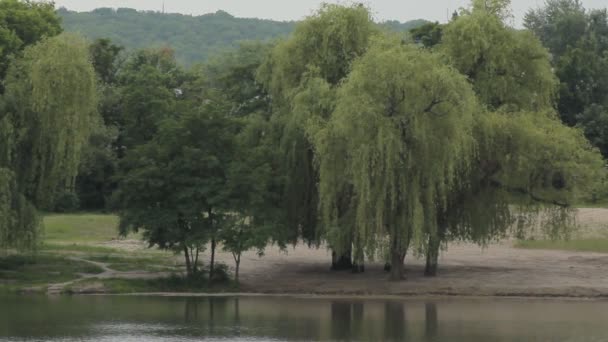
319	53
400	135
49	103
526	164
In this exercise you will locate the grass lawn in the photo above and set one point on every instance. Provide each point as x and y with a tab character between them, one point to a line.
599	245
79	228
160	285
84	236
26	271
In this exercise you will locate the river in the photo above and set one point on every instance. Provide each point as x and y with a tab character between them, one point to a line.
113	318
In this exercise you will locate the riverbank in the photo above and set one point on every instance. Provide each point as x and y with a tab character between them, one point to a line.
500	270
105	265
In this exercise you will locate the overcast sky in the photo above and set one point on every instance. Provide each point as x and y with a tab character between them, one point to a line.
402	10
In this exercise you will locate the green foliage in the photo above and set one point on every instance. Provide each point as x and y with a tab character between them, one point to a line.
24	23
400	134
320	52
51	99
429	35
508	67
66	201
48	106
104	56
578	41
172	188
194	38
147	87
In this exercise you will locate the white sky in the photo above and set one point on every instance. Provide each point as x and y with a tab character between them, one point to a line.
402	10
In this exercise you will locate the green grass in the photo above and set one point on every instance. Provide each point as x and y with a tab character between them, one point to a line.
580	245
80	228
123	263
85	236
161	285
41	269
76	248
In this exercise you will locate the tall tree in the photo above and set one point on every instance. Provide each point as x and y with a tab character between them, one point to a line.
95	182
49	104
321	50
173	188
401	132
510	179
24	23
578	42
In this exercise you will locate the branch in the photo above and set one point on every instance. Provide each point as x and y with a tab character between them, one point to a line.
523	191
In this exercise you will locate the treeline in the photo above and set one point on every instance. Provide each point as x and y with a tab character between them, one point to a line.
193	38
374	143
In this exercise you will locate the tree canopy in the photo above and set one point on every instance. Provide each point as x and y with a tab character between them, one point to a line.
48	108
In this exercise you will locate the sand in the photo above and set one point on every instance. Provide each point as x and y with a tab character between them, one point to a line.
465	269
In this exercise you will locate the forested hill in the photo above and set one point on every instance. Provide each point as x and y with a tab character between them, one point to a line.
194	38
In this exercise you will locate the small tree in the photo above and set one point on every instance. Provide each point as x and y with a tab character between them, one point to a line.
173	188
241	234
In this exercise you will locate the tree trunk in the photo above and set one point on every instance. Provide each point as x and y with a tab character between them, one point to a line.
397	269
188	263
212	265
195	265
432	257
238	265
358	267
341	262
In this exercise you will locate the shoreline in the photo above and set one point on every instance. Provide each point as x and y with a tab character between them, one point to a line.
364	297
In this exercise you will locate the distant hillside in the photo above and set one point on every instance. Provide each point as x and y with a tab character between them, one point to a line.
194	38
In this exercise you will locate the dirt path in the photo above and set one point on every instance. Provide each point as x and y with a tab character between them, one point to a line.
108	273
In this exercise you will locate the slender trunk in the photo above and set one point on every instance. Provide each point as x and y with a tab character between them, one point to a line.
238	265
212	265
195	266
188	264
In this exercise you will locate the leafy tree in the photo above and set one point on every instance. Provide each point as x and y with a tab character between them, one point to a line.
49	104
51	99
508	67
320	51
578	41
149	88
105	57
429	35
399	136
195	39
95	183
560	24
526	163
173	187
24	23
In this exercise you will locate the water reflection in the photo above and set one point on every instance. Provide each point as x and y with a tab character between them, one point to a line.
293	319
431	323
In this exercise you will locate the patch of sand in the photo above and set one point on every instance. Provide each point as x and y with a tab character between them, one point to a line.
465	269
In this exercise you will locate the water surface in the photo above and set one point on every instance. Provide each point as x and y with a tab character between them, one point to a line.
68	319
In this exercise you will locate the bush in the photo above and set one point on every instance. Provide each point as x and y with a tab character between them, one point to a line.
66	201
221	273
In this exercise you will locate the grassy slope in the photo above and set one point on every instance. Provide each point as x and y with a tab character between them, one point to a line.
599	245
81	236
86	236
